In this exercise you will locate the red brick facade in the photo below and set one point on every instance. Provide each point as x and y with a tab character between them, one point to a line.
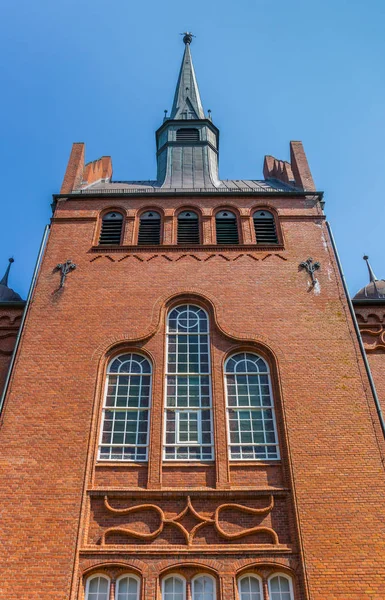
316	515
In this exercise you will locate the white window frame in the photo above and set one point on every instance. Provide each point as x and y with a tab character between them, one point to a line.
94	576
285	576
250	408
247	575
126	575
198	577
174	576
122	409
177	427
197	410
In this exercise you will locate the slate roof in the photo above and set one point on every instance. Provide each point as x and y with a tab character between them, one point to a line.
226	186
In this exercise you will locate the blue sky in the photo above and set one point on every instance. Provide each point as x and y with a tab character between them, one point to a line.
103	72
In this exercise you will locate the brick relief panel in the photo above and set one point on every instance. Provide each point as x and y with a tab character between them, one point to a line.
372	328
189	521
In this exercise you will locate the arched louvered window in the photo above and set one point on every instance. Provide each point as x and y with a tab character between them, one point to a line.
188	419
264	226
173	588
149	229
203	588
98	588
188	228
250	588
127	588
227	228
111	229
126	411
250	408
187	135
280	587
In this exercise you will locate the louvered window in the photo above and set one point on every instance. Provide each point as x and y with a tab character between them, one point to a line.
188	228
111	230
149	229
227	228
187	135
265	230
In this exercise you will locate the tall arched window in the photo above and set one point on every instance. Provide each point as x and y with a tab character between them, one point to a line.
188	421
203	588
250	407
174	588
126	409
149	229
111	229
226	227
127	588
188	228
98	588
264	226
250	588
280	587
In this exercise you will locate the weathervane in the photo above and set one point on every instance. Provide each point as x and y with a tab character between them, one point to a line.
187	37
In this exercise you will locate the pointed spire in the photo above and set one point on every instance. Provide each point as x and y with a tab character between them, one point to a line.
6	293
372	276
4	281
187	102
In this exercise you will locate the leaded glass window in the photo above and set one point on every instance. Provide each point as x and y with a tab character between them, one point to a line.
250	588
251	418
98	588
188	419
127	588
126	409
174	588
203	588
280	588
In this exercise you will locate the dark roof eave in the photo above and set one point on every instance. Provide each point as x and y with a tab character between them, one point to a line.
368	301
15	303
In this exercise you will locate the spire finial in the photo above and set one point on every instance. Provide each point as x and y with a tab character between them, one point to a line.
187	102
187	37
4	281
372	276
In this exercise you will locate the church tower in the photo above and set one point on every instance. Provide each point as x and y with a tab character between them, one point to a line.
189	414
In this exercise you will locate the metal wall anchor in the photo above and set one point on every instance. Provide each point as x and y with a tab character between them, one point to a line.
311	268
65	268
